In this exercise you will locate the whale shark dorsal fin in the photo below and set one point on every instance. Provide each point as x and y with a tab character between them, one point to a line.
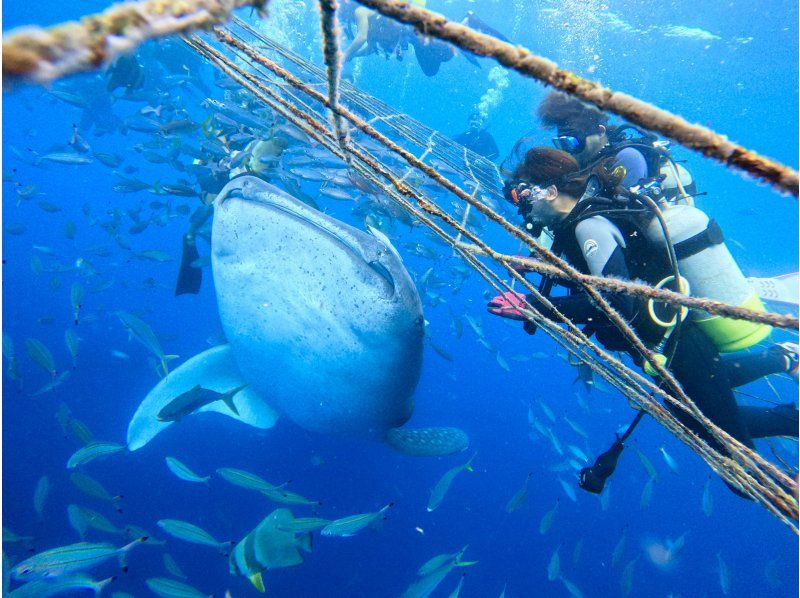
428	442
214	369
384	239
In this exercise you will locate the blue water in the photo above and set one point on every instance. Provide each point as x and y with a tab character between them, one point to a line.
743	82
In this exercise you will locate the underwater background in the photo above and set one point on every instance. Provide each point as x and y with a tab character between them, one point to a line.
732	66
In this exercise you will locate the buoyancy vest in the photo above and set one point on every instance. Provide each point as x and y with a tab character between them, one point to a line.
646	262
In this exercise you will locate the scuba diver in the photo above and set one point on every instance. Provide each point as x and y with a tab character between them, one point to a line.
375	34
583	131
605	229
477	138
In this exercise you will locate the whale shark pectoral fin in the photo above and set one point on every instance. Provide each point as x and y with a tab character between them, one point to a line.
214	369
427	442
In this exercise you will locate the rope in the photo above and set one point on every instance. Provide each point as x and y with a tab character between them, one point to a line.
616	285
333	62
517	58
764	488
43	55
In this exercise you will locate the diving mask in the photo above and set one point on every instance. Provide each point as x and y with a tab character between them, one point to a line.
523	194
570	143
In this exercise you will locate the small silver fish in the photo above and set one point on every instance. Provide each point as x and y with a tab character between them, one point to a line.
554	566
65	158
40	495
195	398
349	526
516	501
170	588
190	533
92	451
547	520
182	472
443	485
671	463
708	502
724	575
68	559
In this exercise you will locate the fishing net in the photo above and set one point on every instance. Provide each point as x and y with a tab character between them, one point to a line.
447	188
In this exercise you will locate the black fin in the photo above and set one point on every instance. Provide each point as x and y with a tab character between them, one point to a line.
471	59
478	25
431	55
189	277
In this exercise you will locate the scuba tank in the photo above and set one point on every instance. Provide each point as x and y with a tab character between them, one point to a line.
708	266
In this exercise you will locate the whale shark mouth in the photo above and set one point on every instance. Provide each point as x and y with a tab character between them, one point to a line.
384	279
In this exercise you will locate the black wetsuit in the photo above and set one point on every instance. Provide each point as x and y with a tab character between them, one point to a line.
430	53
481	142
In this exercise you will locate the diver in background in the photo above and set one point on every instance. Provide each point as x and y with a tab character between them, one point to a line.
551	190
477	138
376	33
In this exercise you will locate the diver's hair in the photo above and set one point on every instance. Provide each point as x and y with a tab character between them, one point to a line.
559	109
544	166
517	154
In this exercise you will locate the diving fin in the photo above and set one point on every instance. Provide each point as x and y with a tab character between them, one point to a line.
427	442
473	22
471	59
780	289
189	277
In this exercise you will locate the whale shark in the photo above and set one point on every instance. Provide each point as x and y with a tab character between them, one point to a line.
323	325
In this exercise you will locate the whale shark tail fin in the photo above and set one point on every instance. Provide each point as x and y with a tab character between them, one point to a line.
427	442
214	369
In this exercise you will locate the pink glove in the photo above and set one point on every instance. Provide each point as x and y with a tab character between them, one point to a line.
508	305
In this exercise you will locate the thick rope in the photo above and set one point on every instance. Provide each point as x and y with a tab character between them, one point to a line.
42	55
333	62
692	136
738	478
616	285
